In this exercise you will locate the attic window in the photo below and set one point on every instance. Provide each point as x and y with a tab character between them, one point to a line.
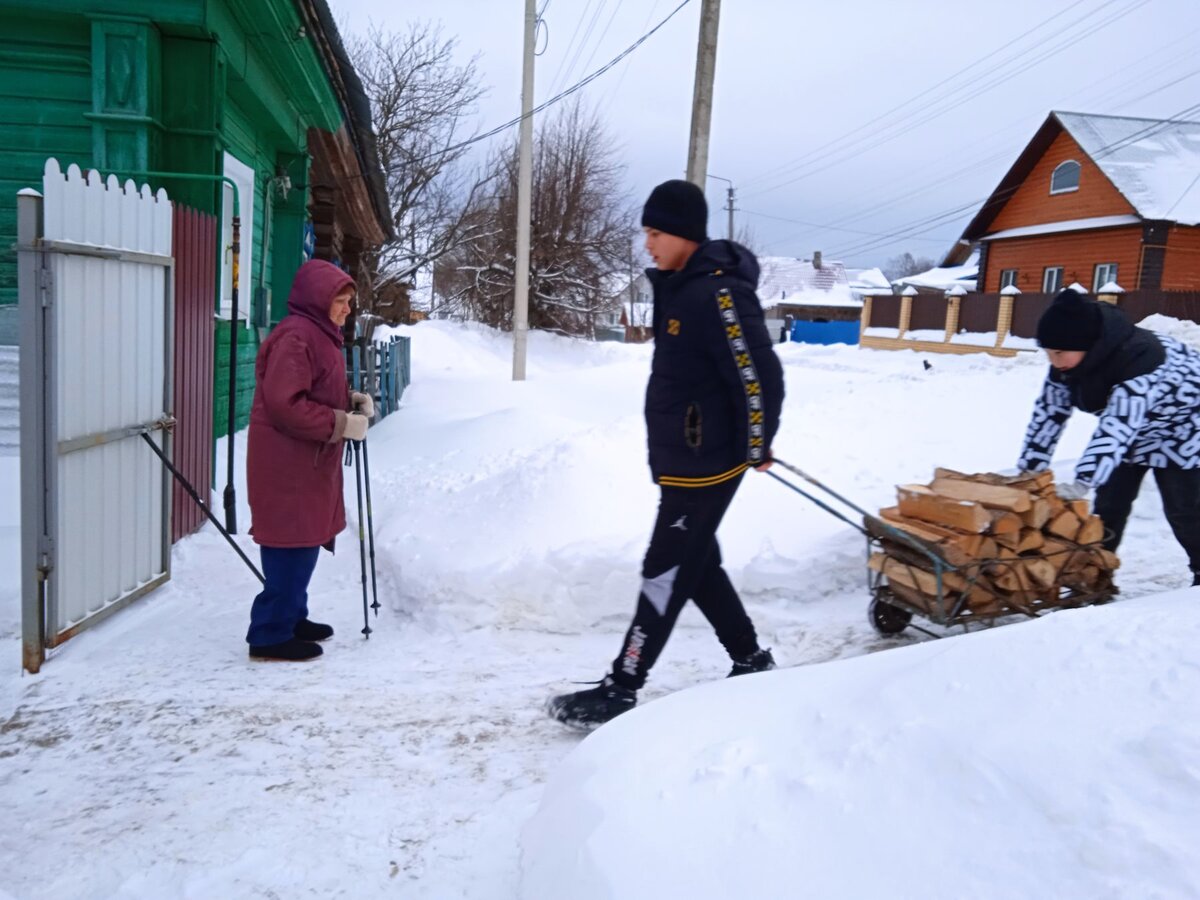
1065	177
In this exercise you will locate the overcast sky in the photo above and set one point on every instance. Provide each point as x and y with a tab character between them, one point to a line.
855	119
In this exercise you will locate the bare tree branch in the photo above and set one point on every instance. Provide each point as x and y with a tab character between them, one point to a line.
581	233
421	102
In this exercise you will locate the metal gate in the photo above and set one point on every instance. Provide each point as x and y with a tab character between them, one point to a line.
95	284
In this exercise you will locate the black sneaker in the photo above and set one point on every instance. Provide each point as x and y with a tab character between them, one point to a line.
291	650
307	630
594	707
758	661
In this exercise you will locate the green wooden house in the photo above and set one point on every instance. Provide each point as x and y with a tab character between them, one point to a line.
259	92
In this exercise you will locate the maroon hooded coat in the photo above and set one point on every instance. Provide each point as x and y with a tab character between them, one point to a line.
293	459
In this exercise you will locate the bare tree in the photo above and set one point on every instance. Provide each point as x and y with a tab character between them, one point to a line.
420	103
906	264
582	228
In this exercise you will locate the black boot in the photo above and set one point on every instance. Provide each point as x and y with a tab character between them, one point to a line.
291	650
1196	579
308	630
758	661
590	708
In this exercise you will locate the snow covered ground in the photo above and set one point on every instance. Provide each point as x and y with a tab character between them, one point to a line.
150	758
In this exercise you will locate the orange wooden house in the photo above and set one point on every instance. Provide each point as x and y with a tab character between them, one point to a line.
1094	199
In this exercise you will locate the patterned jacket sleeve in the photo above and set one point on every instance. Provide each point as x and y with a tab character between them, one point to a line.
1122	419
1050	414
746	361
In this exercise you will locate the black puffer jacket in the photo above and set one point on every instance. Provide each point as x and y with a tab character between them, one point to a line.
716	385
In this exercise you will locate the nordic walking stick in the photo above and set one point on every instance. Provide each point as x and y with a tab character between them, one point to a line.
370	528
362	545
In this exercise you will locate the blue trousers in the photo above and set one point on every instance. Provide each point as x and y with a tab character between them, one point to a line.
284	598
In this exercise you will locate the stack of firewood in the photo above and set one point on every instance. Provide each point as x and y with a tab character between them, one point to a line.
1012	543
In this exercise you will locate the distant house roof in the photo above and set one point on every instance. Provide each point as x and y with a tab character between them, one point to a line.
867	279
1153	163
943	278
783	277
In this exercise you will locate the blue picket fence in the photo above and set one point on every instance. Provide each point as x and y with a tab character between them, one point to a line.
382	369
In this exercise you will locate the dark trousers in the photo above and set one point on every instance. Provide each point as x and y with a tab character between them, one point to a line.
1180	490
683	563
284	598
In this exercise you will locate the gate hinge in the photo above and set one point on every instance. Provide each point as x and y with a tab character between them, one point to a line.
45	563
46	286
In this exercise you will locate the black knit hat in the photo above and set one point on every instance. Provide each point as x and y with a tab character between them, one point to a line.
677	207
1071	322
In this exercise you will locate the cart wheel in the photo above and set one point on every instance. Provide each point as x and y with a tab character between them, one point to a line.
886	618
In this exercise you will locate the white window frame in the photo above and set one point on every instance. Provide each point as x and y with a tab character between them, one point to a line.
1109	271
1059	168
1052	285
243	176
1008	278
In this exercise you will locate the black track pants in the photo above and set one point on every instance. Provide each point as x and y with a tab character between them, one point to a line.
683	563
1180	490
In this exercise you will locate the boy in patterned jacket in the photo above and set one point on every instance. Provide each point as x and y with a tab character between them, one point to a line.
1145	387
712	410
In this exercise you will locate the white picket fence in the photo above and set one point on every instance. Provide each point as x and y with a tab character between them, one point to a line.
96	305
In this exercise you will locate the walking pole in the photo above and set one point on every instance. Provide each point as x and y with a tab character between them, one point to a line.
370	527
362	546
186	485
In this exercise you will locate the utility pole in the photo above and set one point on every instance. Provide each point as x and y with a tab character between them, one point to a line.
706	64
728	201
524	199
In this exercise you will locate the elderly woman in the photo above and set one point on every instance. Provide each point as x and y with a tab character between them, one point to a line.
298	423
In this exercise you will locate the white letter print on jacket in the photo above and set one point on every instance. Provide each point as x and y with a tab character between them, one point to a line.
1151	420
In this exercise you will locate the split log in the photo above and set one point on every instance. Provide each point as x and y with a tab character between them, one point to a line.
919	502
1031	483
1038	514
1031	539
1092	531
918	579
956	548
1065	525
1005	522
993	496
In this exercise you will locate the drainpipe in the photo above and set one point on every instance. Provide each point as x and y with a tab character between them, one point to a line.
230	497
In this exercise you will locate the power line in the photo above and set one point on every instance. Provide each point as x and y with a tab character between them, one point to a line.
761	215
1102	98
571	44
564	74
603	34
804	156
874	208
905	126
579	85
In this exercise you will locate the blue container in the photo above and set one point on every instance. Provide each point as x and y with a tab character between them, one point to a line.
825	332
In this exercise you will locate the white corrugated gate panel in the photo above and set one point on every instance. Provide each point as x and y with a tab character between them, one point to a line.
111	320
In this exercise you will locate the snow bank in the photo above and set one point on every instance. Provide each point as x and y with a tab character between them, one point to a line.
1180	329
1057	758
